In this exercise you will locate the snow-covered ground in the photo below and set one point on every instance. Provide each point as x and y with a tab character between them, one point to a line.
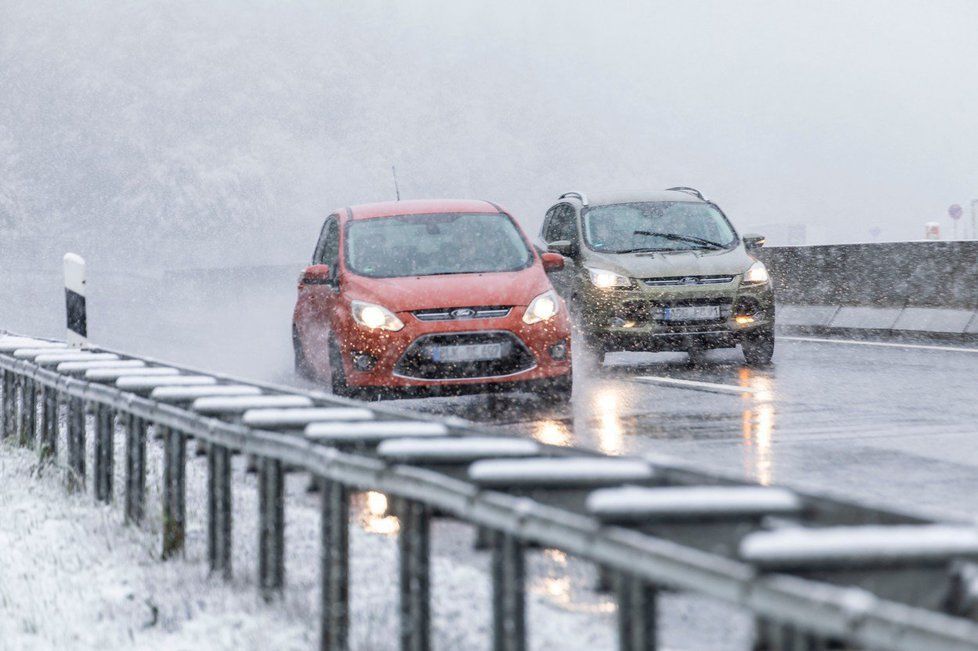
72	575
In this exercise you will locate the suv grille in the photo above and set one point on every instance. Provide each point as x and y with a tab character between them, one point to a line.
462	313
680	281
654	311
417	361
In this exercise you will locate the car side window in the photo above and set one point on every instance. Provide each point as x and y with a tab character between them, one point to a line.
562	225
319	254
331	245
547	224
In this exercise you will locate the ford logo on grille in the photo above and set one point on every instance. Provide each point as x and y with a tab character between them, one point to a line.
691	280
463	313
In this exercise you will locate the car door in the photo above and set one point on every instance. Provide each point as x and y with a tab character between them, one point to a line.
560	225
318	300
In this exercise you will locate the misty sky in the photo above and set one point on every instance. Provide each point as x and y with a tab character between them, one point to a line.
236	126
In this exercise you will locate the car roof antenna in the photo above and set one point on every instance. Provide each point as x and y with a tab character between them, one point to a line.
397	191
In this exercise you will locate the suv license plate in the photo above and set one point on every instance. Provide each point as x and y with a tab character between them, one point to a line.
466	353
693	313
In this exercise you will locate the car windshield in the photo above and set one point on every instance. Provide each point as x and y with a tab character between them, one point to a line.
657	226
441	243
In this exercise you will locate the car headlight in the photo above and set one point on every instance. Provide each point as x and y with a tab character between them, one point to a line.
757	274
543	307
604	279
375	317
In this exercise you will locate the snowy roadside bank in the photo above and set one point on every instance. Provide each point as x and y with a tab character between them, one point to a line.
72	575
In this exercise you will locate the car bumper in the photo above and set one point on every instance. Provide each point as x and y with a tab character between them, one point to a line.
397	359
634	319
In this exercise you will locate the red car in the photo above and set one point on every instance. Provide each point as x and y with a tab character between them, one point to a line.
446	296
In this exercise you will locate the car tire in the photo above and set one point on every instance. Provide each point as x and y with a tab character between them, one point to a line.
337	374
302	368
556	391
758	347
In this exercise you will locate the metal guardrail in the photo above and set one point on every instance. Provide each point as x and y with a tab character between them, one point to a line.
808	606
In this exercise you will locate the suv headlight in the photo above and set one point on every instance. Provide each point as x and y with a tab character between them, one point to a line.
604	279
375	317
543	307
757	274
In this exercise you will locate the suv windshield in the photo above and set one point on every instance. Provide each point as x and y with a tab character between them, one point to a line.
441	243
657	226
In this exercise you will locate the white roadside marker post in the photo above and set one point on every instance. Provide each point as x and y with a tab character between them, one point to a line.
77	317
77	326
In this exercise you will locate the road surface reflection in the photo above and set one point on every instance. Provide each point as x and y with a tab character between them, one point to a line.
758	425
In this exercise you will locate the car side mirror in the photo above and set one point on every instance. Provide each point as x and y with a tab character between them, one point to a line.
317	274
563	247
753	241
552	261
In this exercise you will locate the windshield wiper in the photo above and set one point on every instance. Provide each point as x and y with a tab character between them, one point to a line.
682	238
643	249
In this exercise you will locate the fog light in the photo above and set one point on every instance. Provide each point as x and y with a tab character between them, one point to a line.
559	350
363	361
743	319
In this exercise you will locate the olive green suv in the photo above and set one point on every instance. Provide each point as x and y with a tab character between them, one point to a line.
660	271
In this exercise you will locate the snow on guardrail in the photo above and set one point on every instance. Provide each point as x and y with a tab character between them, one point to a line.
689	502
456	449
560	471
860	544
373	432
301	417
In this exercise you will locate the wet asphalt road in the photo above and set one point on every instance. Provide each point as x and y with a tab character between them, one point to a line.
891	424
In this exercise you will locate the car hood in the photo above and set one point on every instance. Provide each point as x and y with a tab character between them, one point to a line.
669	264
455	290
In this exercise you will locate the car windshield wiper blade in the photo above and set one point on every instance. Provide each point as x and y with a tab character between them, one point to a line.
682	238
643	249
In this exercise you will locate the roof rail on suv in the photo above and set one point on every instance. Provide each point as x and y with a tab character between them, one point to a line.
687	190
576	195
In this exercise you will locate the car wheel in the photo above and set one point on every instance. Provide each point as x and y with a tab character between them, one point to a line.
337	375
758	347
556	391
302	369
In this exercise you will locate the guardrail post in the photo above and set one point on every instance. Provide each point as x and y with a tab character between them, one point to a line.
219	509
508	593
48	447
76	444
9	404
135	469
334	626
28	412
414	544
636	614
271	527
174	491
104	453
772	636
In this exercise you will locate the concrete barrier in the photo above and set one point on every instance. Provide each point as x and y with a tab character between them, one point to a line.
892	288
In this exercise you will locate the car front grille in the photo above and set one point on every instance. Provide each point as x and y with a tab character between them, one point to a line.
654	311
687	281
462	313
417	362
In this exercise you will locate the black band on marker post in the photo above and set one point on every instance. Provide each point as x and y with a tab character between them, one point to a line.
75	305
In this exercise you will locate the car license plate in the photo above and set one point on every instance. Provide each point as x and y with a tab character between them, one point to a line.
466	353
692	313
